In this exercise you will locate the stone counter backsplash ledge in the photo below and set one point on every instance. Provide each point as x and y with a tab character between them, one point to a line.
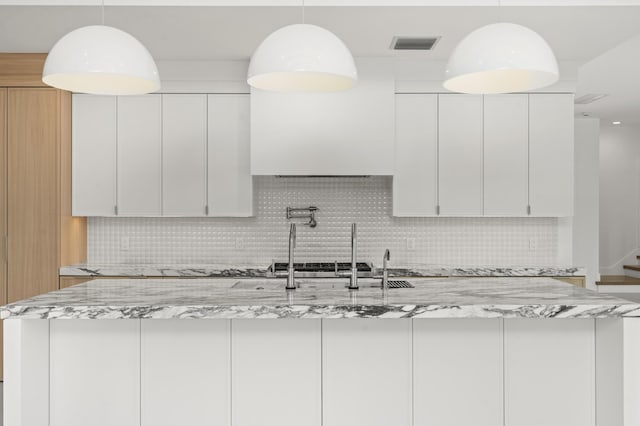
248	271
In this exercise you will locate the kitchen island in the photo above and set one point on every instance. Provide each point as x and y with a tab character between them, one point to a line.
245	352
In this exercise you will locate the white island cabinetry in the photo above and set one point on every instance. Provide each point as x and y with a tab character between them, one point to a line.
327	372
512	352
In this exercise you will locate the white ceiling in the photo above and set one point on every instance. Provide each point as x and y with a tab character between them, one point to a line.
201	33
576	33
616	73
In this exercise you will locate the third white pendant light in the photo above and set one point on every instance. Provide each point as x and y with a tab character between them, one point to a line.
501	58
302	58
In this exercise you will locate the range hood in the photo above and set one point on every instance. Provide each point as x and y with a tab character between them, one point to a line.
347	133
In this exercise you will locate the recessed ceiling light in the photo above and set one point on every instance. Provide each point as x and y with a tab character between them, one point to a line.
616	122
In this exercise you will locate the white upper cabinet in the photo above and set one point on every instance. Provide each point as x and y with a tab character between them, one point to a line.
415	179
94	155
460	155
344	133
139	155
551	154
162	155
506	142
497	155
184	159
230	184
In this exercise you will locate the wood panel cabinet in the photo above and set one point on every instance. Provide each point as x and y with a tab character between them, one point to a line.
367	372
415	180
3	213
139	165
460	155
37	231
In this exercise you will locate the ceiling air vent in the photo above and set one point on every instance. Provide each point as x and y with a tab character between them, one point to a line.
413	43
589	98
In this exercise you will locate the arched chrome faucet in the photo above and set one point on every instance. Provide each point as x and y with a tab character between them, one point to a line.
291	275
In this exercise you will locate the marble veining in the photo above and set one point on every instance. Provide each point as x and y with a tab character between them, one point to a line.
266	298
213	271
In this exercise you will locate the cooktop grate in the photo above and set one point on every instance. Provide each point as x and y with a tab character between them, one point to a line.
399	284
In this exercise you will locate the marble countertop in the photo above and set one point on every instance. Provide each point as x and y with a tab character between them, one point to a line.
325	298
216	271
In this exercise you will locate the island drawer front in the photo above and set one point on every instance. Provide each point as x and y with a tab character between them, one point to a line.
549	367
275	370
185	374
457	363
95	373
366	371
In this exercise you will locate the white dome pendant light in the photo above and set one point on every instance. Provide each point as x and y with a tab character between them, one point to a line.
501	58
302	58
101	60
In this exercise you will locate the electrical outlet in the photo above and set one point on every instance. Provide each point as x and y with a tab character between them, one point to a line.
239	243
411	244
533	244
124	243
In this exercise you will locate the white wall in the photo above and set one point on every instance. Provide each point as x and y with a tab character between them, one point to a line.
586	198
619	197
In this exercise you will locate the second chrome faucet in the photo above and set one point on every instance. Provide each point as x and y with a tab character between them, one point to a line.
353	274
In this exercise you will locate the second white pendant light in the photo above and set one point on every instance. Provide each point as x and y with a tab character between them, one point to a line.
302	58
501	58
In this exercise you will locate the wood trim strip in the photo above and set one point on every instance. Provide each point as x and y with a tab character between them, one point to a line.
22	69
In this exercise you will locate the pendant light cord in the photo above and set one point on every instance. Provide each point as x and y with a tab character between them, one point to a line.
102	12
302	11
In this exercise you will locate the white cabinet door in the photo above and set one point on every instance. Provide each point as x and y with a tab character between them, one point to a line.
184	155
416	155
549	372
366	368
551	154
230	184
457	377
93	155
95	373
341	133
460	155
506	155
185	377
139	155
276	379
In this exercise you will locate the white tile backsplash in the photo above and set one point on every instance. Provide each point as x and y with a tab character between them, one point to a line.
341	201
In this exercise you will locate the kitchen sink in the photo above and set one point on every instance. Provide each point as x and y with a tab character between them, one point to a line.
313	284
